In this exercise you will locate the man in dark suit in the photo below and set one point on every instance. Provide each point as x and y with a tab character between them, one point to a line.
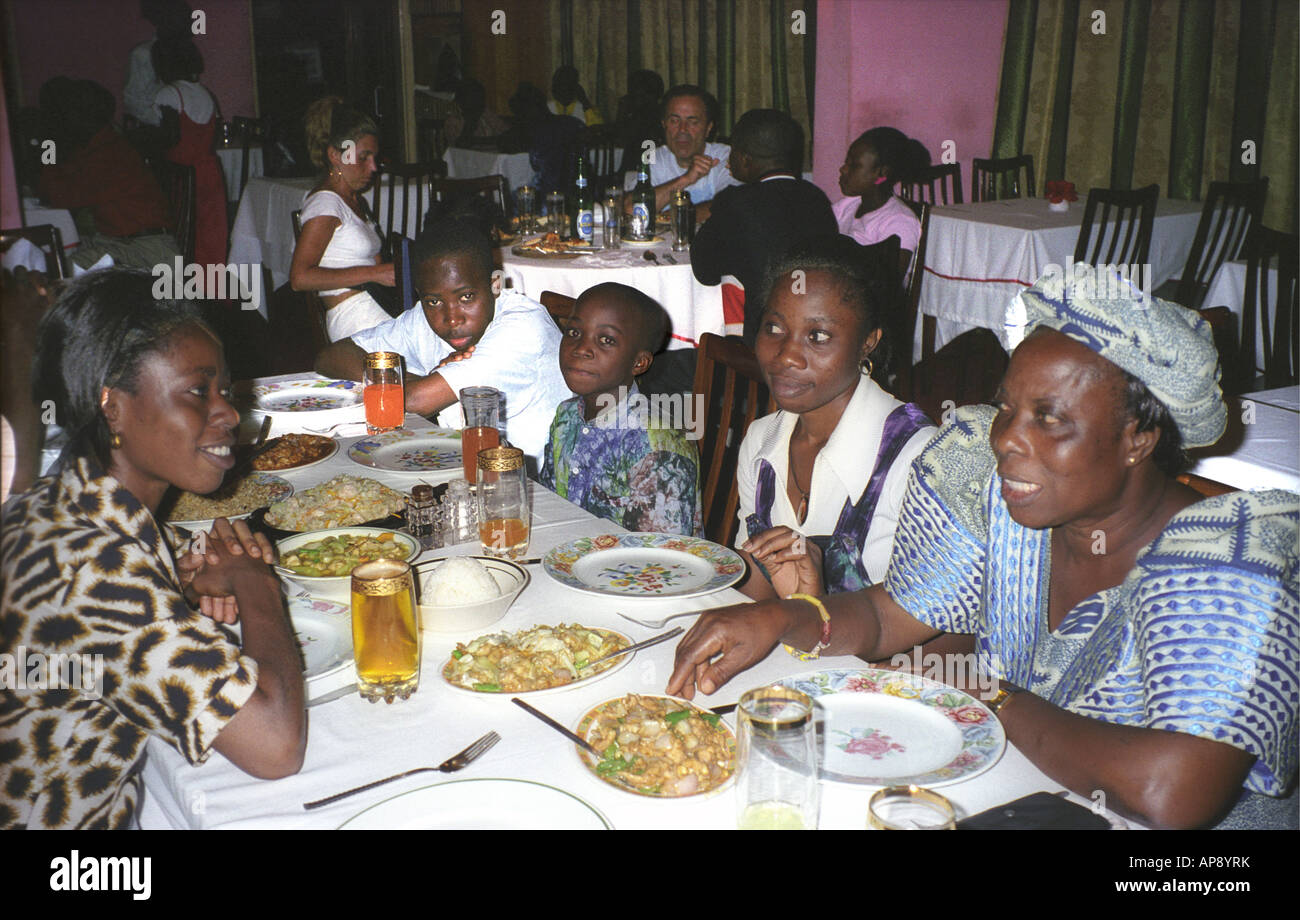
754	224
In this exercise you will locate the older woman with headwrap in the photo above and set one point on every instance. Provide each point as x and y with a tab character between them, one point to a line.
1144	638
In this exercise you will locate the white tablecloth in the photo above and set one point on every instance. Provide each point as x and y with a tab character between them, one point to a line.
1228	289
232	165
351	742
980	255
1261	449
35	214
470	164
694	308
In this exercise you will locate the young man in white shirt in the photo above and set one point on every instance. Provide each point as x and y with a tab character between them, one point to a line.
466	332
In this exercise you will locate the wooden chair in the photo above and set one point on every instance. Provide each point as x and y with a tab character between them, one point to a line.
1223	327
250	133
46	238
309	302
399	181
734	394
939	184
1231	209
1127	231
601	148
1207	487
494	188
1264	296
906	382
560	306
178	186
993	180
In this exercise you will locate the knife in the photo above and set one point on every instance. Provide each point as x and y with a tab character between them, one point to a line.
332	695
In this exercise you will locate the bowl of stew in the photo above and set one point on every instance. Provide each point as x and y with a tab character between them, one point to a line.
321	561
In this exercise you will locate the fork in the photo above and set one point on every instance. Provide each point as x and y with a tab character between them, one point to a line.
450	765
659	624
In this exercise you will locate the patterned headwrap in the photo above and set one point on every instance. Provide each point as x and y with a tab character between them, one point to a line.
1167	347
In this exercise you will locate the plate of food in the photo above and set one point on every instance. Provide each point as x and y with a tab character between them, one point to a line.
343	501
893	728
324	632
307	394
550	246
481	804
238	498
658	746
534	660
407	451
322	561
295	452
650	565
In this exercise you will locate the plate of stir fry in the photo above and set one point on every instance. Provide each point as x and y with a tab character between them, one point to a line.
658	746
534	660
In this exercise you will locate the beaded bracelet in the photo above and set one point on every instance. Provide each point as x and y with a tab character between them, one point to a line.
826	629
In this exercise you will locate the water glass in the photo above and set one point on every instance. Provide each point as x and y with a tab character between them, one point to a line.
383	394
503	512
613	219
910	808
557	217
385	630
525	207
776	781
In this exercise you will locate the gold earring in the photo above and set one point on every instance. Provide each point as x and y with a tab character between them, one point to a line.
114	440
867	366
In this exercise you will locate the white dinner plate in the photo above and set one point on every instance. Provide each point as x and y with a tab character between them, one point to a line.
893	728
324	632
481	804
653	565
308	394
407	451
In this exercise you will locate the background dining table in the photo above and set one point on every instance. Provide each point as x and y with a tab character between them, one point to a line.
464	163
351	742
980	255
1261	449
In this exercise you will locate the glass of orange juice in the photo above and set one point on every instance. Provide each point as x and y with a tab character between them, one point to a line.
482	409
383	393
503	513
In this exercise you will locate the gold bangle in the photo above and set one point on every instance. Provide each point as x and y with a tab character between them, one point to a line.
826	629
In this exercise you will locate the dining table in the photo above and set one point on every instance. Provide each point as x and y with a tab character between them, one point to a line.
693	308
232	167
980	255
465	163
1261	448
351	742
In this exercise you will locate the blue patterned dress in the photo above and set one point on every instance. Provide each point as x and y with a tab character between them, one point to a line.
1201	637
639	475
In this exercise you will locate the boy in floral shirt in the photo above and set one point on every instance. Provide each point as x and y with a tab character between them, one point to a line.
610	450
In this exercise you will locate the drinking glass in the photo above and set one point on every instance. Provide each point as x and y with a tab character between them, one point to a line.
910	808
385	630
776	783
525	207
683	222
383	394
557	218
612	230
482	409
503	513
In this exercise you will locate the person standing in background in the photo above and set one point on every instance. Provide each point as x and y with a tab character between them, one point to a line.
169	17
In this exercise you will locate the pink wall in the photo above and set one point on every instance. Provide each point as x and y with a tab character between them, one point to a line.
90	39
927	67
10	214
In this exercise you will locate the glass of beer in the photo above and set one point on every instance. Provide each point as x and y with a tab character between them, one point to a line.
503	513
385	630
383	395
482	409
776	755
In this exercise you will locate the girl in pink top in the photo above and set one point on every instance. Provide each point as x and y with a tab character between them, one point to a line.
875	163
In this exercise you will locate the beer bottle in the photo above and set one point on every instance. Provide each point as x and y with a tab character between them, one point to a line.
583	208
642	225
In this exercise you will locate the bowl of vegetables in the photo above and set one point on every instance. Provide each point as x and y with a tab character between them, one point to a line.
322	561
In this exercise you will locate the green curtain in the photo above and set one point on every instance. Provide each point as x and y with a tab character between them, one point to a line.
1124	93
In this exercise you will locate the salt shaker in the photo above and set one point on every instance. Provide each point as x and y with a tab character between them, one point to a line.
459	514
424	517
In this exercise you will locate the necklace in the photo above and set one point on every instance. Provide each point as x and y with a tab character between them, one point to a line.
801	512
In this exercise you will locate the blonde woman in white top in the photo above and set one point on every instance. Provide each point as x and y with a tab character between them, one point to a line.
338	250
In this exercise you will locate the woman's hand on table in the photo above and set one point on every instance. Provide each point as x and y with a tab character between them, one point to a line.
227	552
743	635
793	562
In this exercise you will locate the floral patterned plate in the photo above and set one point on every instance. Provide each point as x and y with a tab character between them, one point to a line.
324	632
650	565
405	451
892	728
307	395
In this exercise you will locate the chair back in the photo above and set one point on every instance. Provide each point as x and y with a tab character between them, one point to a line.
493	188
1271	305
178	186
1231	209
727	378
248	133
403	212
995	179
46	238
402	271
560	306
1207	487
310	302
906	332
939	184
1123	229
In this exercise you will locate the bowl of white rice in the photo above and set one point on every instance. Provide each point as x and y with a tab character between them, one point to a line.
467	593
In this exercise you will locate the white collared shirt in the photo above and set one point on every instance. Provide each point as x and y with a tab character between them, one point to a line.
840	473
665	168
